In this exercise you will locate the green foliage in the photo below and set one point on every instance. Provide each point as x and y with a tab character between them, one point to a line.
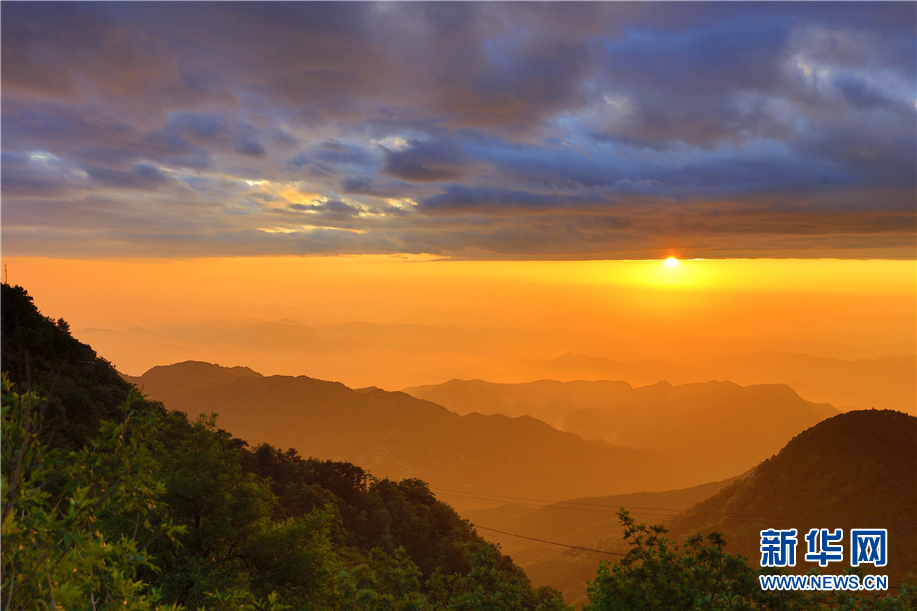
109	501
387	515
383	583
236	600
494	583
658	575
61	511
232	542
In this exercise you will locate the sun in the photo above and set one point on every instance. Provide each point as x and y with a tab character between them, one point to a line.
671	261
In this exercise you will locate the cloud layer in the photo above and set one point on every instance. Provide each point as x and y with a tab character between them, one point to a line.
516	130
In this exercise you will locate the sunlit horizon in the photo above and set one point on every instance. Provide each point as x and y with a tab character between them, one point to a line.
512	311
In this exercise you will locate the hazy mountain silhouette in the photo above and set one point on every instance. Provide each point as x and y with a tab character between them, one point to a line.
716	430
165	385
398	436
572	366
205	327
395	356
888	382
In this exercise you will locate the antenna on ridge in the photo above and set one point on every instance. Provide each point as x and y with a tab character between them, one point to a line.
6	276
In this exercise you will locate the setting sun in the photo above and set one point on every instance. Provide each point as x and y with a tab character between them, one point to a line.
671	262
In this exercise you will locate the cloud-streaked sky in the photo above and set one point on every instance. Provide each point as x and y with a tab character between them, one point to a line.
507	130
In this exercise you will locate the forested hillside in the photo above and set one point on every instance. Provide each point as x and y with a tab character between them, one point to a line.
855	470
149	509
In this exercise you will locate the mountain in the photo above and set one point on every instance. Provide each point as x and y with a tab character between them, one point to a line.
588	519
283	336
716	429
166	386
888	382
572	366
855	470
40	355
398	436
395	356
181	515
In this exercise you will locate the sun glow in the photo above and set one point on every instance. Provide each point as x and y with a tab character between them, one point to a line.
671	262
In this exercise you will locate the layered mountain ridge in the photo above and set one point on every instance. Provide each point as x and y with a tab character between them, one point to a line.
715	429
398	436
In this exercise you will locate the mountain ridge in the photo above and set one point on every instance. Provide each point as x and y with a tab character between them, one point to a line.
398	436
715	428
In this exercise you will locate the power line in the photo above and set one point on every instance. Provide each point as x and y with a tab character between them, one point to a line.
585	549
730	515
579	510
547	549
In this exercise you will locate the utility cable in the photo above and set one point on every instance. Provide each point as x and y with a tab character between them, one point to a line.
585	549
732	515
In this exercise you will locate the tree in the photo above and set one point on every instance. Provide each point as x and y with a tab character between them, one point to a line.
383	583
64	513
231	541
656	574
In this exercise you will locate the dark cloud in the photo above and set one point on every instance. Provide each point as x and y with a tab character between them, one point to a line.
200	127
384	188
515	129
460	198
342	154
213	130
427	161
248	145
26	184
12	160
142	176
859	94
335	156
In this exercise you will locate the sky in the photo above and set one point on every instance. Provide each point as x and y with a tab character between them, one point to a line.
508	131
516	170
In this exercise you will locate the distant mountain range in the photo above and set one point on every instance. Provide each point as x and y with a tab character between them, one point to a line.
887	382
716	430
397	436
395	356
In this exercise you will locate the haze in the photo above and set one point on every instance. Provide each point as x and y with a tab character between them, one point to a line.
508	315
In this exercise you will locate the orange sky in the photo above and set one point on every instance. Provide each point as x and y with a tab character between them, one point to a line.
630	309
